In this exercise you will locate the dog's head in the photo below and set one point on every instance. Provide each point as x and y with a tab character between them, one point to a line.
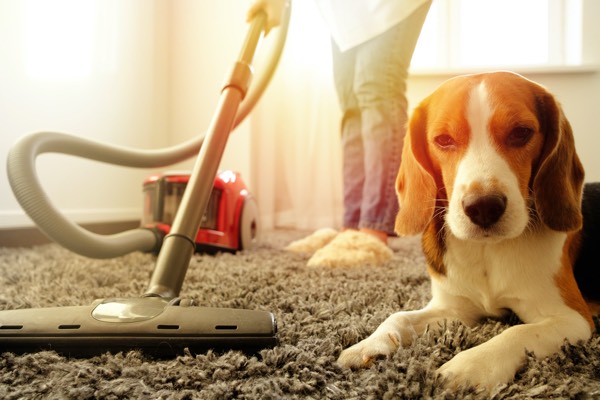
490	153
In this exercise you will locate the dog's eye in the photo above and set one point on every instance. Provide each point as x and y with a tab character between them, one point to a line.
519	136
445	142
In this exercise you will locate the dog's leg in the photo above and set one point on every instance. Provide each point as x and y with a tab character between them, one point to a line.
397	330
497	360
400	328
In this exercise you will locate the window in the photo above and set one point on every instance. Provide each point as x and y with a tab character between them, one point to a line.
471	34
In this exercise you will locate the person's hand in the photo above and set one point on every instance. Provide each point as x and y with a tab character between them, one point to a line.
273	9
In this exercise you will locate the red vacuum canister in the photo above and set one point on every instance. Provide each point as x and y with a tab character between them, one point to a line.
230	222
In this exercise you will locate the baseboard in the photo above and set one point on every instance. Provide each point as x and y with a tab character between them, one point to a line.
17	218
32	236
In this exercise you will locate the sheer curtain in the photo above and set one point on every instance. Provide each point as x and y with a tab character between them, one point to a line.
296	152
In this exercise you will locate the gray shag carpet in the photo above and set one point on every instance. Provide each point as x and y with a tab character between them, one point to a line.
319	312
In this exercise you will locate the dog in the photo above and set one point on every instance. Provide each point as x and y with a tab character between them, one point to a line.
491	179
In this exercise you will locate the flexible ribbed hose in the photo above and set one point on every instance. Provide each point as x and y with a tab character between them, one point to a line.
25	184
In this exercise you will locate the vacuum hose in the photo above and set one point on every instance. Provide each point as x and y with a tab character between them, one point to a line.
25	184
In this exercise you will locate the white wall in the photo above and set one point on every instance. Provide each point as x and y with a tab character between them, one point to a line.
95	69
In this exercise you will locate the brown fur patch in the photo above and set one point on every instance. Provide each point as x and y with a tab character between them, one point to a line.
434	246
558	181
565	280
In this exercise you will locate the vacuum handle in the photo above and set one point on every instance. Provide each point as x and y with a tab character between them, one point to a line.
179	245
253	37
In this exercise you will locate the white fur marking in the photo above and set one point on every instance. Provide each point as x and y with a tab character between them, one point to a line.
483	165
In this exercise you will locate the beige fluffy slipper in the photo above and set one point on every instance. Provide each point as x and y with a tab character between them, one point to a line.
318	239
351	248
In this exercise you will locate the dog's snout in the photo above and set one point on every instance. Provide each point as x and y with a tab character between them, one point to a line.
484	211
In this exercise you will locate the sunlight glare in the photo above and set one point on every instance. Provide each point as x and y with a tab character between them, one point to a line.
59	38
308	43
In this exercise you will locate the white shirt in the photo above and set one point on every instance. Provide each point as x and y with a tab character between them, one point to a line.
352	22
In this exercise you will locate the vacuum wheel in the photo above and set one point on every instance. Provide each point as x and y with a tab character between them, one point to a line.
249	224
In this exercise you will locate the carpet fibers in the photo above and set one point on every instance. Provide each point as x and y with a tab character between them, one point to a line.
319	312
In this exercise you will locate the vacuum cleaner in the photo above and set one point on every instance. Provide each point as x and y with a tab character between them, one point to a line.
159	322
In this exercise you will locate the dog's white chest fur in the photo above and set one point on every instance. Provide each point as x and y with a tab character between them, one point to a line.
503	275
483	167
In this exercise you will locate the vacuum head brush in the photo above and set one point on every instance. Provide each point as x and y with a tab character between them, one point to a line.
158	327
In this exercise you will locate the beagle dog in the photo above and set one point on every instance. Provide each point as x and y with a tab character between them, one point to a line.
491	179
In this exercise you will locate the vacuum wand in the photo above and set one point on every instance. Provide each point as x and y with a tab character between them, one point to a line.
179	245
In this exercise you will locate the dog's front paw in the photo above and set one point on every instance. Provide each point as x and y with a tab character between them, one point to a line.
363	353
476	368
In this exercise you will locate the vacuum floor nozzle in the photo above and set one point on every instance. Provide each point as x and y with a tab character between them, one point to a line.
158	327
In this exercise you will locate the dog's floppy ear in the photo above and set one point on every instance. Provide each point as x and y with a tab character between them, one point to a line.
415	185
557	184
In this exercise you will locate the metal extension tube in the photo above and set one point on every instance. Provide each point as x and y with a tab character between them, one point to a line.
178	246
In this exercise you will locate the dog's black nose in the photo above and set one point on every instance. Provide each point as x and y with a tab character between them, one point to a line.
484	211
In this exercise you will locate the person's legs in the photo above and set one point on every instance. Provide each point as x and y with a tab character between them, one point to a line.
351	136
381	71
370	81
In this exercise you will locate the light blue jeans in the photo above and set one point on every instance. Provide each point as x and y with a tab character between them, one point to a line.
370	80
